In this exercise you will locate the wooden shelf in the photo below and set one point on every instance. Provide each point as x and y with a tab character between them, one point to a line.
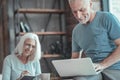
46	33
50	55
32	10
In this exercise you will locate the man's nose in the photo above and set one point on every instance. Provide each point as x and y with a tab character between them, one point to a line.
78	14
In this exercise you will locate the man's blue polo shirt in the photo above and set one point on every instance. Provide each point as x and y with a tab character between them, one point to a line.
97	38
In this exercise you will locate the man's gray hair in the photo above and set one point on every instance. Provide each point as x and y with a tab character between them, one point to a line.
71	1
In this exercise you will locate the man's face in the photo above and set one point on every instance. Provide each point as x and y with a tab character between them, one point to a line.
81	10
29	47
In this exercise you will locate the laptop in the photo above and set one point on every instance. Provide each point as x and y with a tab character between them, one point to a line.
74	67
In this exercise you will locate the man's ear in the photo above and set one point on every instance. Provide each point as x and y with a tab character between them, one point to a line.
91	4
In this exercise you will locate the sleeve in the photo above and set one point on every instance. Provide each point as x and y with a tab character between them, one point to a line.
75	46
6	72
38	68
113	26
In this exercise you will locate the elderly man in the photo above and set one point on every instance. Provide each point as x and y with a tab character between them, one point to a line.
98	34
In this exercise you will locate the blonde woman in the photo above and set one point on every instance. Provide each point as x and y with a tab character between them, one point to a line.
24	60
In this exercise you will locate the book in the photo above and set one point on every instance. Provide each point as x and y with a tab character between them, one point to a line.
43	76
28	78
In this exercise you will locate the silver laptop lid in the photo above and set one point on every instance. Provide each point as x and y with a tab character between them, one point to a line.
74	67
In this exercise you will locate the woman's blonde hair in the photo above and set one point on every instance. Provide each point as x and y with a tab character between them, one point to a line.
19	48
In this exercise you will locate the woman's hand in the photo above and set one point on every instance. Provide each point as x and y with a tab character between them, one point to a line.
24	73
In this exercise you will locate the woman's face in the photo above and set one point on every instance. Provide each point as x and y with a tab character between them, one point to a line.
29	47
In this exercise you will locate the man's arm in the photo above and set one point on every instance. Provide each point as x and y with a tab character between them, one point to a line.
75	55
81	54
113	58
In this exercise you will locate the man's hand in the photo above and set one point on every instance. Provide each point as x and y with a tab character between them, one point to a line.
98	68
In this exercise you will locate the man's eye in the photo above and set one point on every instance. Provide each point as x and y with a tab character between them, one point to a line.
26	44
74	11
33	46
82	10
